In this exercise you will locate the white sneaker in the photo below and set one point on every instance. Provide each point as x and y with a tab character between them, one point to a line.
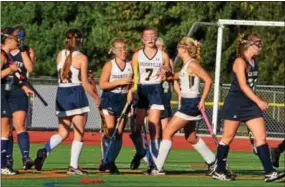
273	175
7	171
222	176
154	172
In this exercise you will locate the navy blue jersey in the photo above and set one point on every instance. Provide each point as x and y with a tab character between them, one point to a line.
251	73
17	58
237	106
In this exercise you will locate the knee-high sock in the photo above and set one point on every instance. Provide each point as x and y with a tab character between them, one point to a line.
4	146
104	144
116	147
222	155
204	151
53	142
264	156
10	148
24	144
164	149
137	140
76	148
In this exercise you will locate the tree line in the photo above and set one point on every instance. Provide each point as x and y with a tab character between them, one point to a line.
46	23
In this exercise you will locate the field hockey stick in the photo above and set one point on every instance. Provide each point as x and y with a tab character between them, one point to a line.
28	84
251	141
210	128
122	116
23	79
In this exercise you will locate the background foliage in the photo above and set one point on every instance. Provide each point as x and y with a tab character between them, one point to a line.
46	23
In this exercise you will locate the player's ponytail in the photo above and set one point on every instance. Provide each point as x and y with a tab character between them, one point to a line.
72	42
192	46
244	42
198	51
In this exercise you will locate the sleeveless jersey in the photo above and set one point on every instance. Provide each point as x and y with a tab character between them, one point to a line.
74	73
17	58
149	68
117	73
251	73
189	84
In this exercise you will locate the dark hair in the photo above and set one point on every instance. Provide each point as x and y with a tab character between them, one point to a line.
7	32
74	38
244	42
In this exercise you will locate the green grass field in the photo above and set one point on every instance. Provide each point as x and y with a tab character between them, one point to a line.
183	168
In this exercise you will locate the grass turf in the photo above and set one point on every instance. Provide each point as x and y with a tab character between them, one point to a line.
183	168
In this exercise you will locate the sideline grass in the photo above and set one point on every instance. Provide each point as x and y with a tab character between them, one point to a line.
183	168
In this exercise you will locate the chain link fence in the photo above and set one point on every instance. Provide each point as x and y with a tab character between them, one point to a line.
44	118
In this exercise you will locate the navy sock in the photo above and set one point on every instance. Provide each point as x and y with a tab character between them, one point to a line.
264	156
4	145
281	147
222	155
116	147
138	142
10	148
24	144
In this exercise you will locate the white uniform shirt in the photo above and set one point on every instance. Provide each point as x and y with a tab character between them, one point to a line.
74	78
149	69
189	84
117	74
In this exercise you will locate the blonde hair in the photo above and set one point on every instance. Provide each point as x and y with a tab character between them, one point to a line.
117	40
192	46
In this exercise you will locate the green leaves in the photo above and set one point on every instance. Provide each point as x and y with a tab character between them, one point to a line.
46	23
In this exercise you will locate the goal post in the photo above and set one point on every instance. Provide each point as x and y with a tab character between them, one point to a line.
221	23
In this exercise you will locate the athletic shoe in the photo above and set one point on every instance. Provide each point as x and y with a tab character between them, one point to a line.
273	176
9	163
102	167
74	171
41	156
223	176
275	156
113	168
157	173
153	171
8	171
211	168
27	163
135	164
148	171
